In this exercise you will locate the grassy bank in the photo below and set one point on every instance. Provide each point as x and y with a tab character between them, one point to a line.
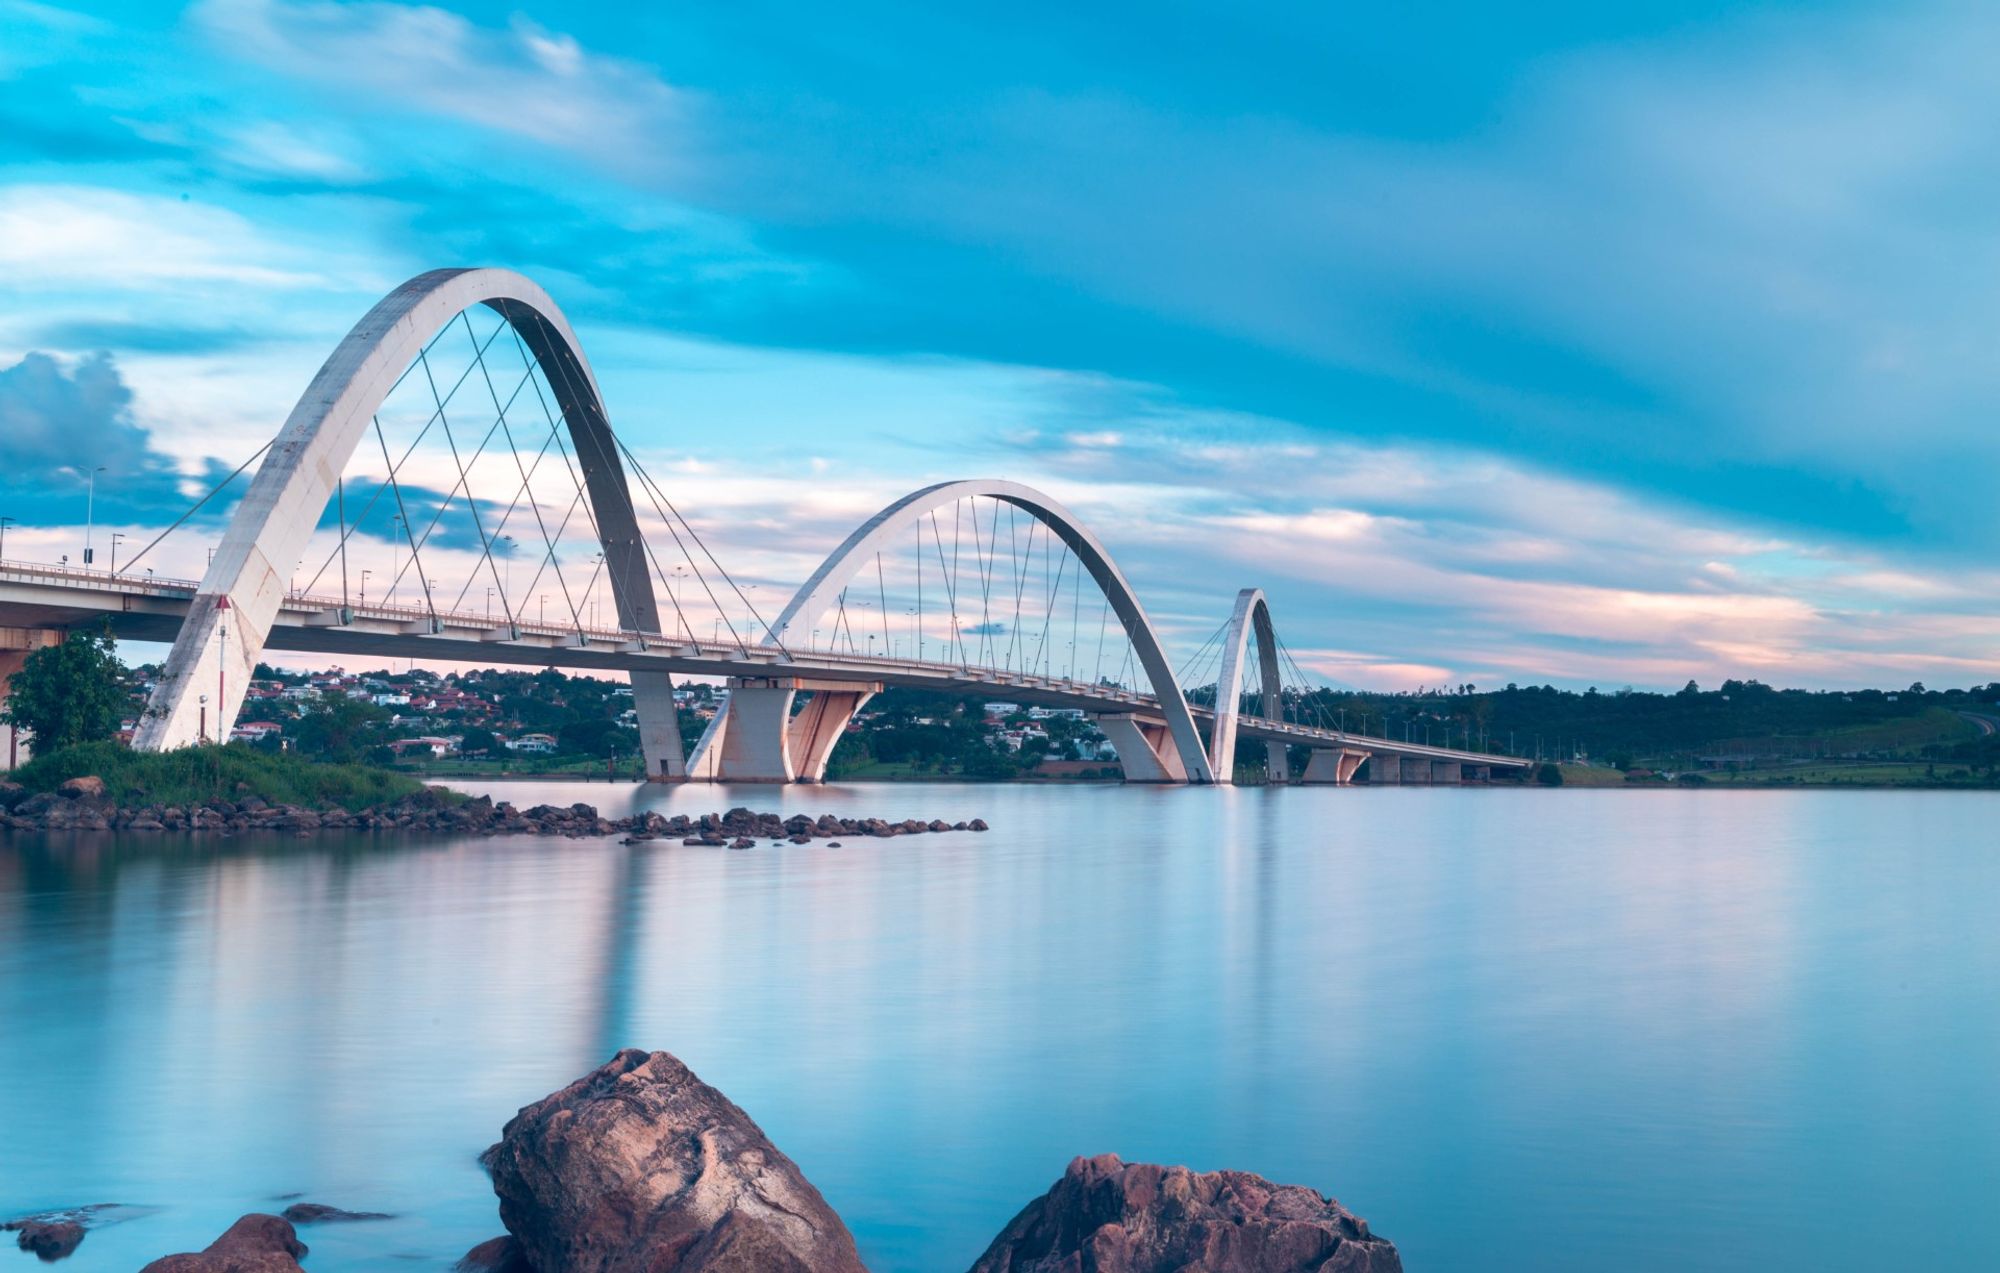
195	775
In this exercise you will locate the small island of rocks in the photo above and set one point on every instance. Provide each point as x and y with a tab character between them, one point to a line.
83	804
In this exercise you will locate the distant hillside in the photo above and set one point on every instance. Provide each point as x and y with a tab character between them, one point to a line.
1741	722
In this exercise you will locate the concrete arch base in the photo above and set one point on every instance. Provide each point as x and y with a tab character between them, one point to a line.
1332	766
1146	750
756	737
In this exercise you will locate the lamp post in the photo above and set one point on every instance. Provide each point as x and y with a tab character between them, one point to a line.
90	513
395	558
596	570
364	586
115	537
5	522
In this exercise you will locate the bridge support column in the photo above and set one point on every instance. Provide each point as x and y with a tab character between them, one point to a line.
1146	750
16	644
659	727
1447	773
756	738
1385	771
1332	766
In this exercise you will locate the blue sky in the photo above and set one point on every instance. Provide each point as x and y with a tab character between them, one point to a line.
1592	344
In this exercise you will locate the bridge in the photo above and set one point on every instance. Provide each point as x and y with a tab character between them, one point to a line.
793	682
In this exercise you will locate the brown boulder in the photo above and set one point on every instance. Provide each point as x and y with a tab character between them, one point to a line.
257	1243
89	785
1107	1216
495	1255
640	1166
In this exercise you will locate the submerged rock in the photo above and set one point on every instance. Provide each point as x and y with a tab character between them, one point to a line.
317	1212
257	1243
640	1166
1108	1216
51	1240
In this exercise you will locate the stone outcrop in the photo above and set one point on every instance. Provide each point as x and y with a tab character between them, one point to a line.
257	1243
1108	1216
641	1167
81	805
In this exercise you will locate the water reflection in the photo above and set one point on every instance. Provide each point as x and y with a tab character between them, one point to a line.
1515	1021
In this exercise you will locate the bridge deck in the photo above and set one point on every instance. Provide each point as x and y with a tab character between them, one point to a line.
146	608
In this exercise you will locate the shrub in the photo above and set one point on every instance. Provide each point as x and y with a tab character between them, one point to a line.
194	775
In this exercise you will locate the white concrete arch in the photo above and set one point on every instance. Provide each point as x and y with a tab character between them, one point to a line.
1252	616
1183	758
245	584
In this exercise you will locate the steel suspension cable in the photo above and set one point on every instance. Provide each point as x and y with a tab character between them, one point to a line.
180	521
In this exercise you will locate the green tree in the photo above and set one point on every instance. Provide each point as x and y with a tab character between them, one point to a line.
477	741
339	728
69	693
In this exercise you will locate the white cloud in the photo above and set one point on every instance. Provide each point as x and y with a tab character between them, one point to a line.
270	147
522	81
52	235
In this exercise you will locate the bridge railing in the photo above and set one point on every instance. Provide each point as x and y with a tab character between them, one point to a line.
92	575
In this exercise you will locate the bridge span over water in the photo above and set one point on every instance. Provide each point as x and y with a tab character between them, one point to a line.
995	623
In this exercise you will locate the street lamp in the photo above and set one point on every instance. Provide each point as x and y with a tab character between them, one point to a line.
364	586
395	558
5	522
90	513
115	537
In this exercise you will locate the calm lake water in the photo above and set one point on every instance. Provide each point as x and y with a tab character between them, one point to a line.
1558	1030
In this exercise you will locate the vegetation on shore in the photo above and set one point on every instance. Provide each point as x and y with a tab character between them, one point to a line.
198	775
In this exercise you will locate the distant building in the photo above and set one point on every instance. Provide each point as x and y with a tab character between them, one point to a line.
538	744
436	746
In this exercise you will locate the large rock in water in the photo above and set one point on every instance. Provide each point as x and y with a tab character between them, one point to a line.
640	1167
1107	1216
255	1244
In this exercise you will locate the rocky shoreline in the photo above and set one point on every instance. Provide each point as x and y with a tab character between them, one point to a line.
81	805
639	1165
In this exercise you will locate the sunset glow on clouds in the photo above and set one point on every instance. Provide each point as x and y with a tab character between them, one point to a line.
1598	351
